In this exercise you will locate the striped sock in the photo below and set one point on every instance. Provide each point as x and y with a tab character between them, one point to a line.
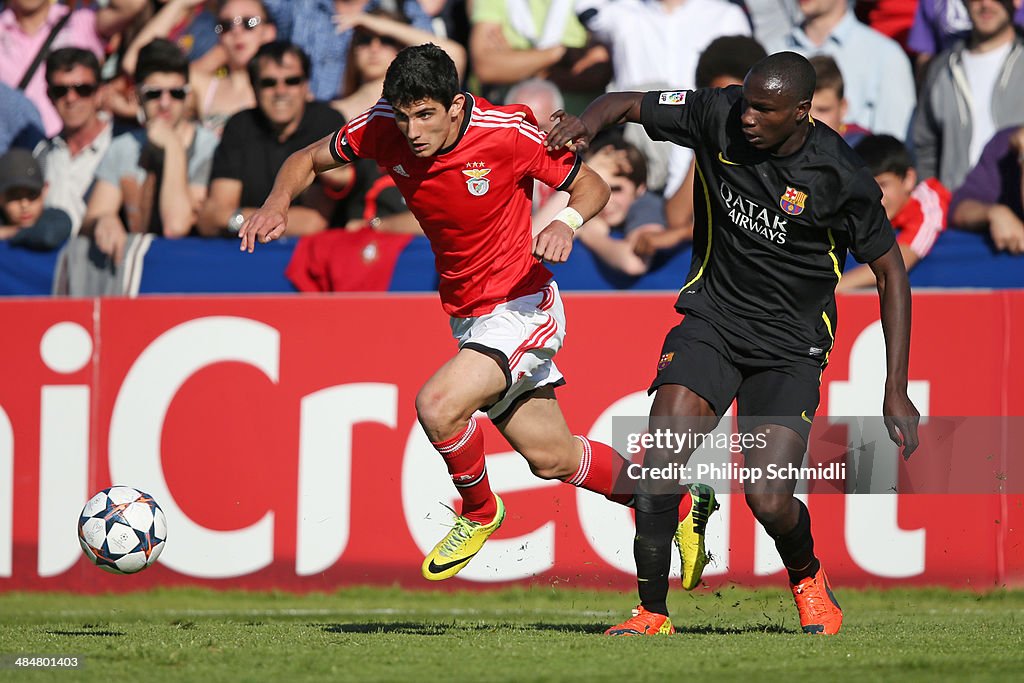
464	456
602	470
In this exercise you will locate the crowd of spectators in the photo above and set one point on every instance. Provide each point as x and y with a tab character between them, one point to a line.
171	117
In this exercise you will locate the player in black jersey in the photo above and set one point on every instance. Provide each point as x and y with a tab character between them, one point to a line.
779	200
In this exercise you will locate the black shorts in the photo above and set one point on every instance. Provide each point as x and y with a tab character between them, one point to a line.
768	390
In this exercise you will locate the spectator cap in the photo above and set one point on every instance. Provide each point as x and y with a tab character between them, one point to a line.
18	168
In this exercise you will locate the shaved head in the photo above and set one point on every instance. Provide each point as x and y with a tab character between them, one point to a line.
786	74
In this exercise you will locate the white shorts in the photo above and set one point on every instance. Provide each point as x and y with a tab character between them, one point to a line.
523	335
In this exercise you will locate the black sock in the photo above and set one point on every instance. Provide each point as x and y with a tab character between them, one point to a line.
796	548
652	548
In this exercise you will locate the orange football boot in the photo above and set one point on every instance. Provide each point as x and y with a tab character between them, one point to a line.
819	610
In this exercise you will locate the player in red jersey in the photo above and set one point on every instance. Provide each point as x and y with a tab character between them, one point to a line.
466	169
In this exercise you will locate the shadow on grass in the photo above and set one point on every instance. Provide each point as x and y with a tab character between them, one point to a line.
86	632
440	629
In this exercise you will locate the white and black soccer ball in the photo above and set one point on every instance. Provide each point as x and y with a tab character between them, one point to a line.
122	530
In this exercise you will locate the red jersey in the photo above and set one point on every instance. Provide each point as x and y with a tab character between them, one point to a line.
923	217
472	199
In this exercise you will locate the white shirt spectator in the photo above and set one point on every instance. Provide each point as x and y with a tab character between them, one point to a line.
70	178
659	41
878	80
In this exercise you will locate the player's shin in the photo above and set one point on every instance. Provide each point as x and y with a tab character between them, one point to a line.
657	516
796	547
464	456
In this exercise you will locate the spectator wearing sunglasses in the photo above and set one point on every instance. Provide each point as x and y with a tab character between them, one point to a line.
317	26
24	222
220	87
69	159
242	27
377	36
153	179
26	24
257	141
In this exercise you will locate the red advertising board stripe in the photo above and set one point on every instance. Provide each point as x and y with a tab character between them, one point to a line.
279	434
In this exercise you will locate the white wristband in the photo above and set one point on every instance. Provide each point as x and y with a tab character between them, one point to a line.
570	217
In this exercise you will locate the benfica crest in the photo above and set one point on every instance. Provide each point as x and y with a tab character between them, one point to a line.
792	202
477	182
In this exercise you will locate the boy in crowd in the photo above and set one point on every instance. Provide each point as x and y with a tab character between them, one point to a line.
917	210
23	220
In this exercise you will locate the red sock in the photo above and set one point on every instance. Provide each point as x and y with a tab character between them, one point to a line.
601	471
464	456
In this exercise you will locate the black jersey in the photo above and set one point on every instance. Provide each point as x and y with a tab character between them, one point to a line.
770	233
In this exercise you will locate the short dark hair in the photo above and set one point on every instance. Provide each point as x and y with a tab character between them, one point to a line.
421	72
787	73
884	154
728	56
276	51
67	58
828	75
161	56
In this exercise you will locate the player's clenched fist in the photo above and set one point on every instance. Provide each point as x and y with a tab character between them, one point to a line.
553	243
268	223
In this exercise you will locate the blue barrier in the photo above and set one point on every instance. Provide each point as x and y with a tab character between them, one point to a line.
195	265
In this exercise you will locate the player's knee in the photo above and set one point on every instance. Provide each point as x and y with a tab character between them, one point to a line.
440	416
768	508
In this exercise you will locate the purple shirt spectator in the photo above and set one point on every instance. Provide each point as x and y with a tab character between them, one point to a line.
939	23
18	50
996	179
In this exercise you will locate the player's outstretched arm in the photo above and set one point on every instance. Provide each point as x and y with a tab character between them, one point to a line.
576	132
297	173
901	417
587	196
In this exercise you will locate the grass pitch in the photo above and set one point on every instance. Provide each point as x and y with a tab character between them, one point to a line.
537	634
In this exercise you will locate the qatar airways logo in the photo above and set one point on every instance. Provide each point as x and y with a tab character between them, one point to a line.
748	214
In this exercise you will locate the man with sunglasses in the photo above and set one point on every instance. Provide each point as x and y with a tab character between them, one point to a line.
69	159
257	141
153	179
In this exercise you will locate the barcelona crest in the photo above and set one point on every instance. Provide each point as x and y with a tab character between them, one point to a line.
665	360
477	182
792	202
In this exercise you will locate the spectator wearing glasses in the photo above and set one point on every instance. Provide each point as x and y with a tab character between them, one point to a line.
69	159
241	27
154	179
319	28
257	141
25	26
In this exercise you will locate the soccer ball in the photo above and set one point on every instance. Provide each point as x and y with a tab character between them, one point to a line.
122	530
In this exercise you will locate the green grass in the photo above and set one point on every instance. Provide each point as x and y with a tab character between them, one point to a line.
537	634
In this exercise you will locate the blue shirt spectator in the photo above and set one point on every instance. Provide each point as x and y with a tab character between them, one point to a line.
879	81
310	25
21	125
